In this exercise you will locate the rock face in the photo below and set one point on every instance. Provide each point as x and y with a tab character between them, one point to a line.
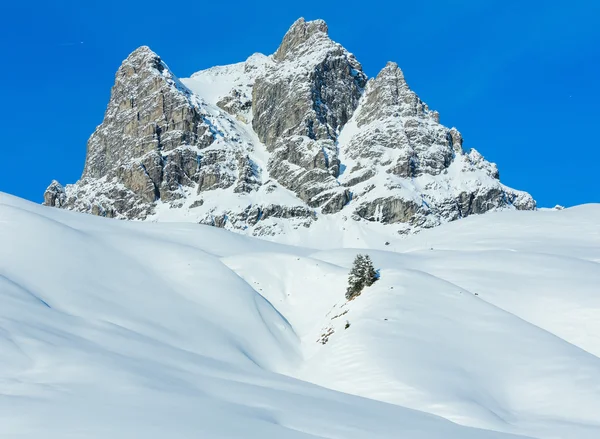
157	138
151	111
55	195
311	90
300	104
151	133
279	140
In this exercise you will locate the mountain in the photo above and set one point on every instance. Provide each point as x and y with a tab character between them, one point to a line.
484	328
279	142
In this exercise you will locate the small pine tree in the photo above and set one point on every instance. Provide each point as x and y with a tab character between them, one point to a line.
355	278
361	275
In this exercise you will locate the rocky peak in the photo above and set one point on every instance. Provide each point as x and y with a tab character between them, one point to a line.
396	143
301	34
299	107
153	145
141	58
279	140
392	70
391	76
312	88
389	95
149	110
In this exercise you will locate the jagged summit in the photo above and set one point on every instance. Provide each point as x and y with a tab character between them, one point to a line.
301	34
279	142
143	52
146	104
392	70
388	93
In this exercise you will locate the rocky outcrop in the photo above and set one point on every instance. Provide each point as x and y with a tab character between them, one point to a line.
388	210
55	195
275	141
262	220
306	167
236	103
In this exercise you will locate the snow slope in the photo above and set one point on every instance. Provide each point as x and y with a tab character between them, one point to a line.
482	328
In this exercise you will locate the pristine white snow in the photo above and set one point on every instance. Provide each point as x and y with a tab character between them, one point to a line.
481	328
217	82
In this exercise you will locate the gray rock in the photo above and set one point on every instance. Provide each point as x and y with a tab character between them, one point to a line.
388	210
286	212
312	90
237	104
248	178
393	117
196	203
55	195
300	105
335	201
149	111
255	214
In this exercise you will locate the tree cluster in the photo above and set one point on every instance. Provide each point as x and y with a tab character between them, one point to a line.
362	274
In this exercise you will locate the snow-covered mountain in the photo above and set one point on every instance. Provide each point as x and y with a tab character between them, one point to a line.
484	328
281	142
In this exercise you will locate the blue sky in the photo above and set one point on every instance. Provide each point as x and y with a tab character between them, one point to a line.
519	79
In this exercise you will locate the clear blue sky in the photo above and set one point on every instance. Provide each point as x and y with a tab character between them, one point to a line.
519	79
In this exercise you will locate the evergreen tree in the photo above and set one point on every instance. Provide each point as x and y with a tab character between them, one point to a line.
362	274
370	274
355	278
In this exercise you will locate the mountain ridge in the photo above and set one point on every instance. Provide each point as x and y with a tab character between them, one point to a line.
279	141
